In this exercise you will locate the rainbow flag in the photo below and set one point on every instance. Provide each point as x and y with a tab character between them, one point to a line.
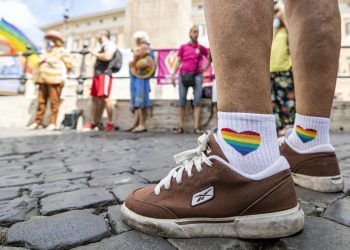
17	42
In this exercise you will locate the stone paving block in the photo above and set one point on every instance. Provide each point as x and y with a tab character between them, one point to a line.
12	211
226	243
339	211
46	189
115	180
130	240
115	220
49	163
18	180
87	167
122	191
9	193
34	169
346	185
316	198
59	231
65	176
108	172
91	197
320	233
154	176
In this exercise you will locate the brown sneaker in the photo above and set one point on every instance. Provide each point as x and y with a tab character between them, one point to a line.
204	197
315	171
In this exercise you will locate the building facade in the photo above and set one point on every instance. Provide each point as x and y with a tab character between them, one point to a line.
167	22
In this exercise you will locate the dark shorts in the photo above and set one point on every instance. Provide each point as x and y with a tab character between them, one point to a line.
197	90
101	86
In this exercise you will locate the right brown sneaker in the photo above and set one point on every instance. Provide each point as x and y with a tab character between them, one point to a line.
204	197
316	171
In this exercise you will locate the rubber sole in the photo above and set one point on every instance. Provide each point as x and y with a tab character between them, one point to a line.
261	226
327	184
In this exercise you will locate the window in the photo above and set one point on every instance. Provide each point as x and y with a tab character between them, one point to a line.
200	7
115	18
87	41
347	28
114	38
76	44
101	20
201	28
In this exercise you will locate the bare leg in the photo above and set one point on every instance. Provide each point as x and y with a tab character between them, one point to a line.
240	36
182	111
314	28
94	109
197	114
108	106
100	109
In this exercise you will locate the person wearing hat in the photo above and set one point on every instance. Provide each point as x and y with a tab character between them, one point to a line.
142	68
51	75
189	60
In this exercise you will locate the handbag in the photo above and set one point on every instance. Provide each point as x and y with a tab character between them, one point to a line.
188	79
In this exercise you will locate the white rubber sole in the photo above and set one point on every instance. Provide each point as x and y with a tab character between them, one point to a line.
261	226
329	184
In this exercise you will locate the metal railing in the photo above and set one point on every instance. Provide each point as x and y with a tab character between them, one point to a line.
82	77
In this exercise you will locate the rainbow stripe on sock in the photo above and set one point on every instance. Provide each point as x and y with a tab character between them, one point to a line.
244	142
305	135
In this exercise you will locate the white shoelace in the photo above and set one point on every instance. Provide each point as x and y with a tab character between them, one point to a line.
281	140
188	159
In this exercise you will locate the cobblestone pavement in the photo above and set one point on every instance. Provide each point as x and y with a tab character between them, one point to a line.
64	190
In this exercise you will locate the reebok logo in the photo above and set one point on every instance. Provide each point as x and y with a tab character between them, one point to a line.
202	196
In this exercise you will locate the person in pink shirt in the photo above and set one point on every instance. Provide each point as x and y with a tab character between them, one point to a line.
189	60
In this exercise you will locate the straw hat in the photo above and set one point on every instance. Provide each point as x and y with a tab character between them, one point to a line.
144	68
54	34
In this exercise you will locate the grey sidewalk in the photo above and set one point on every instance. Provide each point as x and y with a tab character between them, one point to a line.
63	190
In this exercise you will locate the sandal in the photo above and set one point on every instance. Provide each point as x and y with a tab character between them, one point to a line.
139	129
198	131
178	130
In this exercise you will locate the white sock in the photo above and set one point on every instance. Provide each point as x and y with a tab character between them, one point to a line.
260	151
309	132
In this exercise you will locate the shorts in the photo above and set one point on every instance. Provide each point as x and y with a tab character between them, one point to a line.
197	92
101	86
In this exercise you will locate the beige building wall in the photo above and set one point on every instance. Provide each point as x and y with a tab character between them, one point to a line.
166	21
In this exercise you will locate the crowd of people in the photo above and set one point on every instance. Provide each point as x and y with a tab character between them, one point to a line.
56	63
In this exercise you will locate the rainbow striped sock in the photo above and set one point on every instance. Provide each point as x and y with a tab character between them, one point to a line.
309	132
249	141
305	135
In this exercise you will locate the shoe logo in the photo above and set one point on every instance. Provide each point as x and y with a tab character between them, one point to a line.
305	135
208	150
203	196
244	142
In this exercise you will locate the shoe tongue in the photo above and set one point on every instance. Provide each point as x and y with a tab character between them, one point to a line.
214	148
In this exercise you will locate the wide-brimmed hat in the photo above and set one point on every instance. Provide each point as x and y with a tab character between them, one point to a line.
54	35
144	68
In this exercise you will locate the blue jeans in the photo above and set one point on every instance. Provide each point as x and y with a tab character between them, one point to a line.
197	89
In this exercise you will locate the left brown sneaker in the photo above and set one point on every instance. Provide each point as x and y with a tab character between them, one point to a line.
315	171
204	197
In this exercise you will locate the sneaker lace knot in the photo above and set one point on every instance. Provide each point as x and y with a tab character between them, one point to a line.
188	159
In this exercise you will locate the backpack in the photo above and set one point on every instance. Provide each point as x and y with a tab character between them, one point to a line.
116	63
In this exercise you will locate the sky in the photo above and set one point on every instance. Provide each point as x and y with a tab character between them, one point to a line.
29	15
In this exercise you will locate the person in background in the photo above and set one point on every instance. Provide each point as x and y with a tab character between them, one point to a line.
283	98
51	75
142	68
189	60
101	83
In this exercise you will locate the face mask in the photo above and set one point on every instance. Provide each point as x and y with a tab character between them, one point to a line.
276	23
193	40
